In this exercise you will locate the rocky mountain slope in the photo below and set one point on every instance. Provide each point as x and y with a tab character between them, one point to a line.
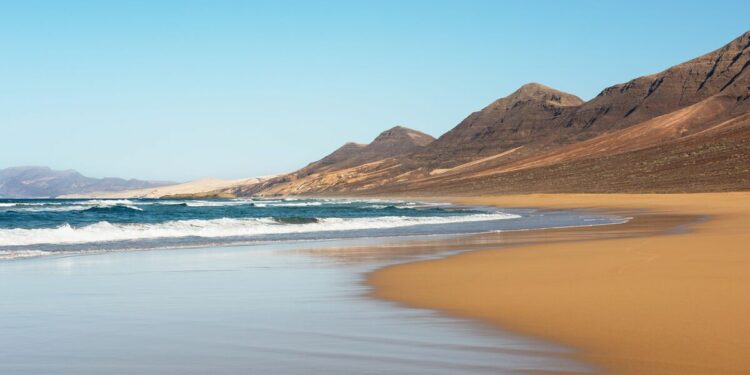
43	182
393	142
683	129
519	119
390	144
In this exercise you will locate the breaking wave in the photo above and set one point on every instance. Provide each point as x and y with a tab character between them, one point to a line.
94	205
113	209
104	231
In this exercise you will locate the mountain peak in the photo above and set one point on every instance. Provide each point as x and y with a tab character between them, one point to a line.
395	141
534	86
398	134
533	91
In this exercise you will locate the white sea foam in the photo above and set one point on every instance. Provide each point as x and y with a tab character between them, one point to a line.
104	231
18	254
108	202
56	208
217	203
81	206
30	204
295	204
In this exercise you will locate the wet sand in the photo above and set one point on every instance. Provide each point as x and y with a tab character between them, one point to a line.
264	309
666	293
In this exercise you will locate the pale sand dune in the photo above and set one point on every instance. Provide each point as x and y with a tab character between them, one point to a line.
663	304
192	187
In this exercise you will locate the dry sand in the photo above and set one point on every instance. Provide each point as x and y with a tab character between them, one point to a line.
192	187
669	303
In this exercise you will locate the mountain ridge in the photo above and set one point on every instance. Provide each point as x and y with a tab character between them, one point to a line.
546	133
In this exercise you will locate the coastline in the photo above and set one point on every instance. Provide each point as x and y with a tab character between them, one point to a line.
643	301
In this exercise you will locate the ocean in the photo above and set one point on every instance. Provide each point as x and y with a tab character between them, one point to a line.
250	286
55	226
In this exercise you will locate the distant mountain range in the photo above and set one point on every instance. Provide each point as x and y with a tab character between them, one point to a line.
686	129
43	182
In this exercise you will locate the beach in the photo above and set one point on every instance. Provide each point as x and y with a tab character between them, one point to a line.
556	290
669	294
375	187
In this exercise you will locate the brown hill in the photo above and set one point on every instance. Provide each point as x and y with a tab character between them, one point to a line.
677	152
540	118
515	120
683	129
719	72
392	143
346	153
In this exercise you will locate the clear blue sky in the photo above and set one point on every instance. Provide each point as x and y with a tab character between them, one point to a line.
186	89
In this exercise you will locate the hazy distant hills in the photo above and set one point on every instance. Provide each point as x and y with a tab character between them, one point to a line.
684	129
43	182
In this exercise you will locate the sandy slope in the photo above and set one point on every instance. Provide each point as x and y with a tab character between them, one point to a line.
192	187
665	304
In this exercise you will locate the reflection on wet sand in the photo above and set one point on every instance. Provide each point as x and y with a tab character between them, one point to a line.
640	224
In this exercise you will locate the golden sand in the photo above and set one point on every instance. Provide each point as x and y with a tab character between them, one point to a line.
674	303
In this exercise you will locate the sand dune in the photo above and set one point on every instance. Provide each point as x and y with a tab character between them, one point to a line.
196	187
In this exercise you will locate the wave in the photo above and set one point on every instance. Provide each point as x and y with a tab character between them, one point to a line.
104	231
19	254
80	205
108	202
51	208
112	209
296	220
218	203
73	207
31	204
296	204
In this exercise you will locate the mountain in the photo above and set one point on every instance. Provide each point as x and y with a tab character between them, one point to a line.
390	144
43	182
393	142
685	129
519	119
537	117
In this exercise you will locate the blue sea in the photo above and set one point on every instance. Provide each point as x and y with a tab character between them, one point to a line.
57	226
254	286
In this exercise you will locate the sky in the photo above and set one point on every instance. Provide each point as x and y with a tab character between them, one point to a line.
179	90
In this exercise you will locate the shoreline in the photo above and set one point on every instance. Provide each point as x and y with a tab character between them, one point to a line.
398	225
246	288
639	302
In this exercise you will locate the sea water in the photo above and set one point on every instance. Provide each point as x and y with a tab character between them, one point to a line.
262	306
53	226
